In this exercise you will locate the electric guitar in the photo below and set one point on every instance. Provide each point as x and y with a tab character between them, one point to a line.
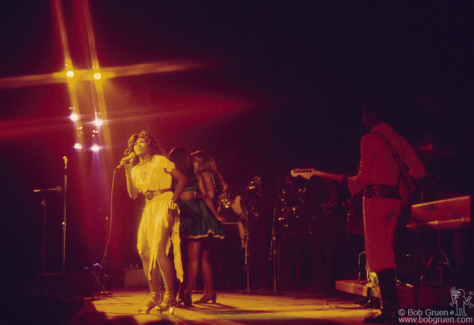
308	172
354	221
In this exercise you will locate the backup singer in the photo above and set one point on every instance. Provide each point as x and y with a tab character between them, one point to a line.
199	221
209	181
379	177
159	225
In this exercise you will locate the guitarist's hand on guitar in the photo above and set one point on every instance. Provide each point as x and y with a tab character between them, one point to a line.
343	180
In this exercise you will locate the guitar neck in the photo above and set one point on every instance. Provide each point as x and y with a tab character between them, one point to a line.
308	172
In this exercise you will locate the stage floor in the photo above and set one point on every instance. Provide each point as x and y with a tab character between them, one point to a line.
120	307
239	308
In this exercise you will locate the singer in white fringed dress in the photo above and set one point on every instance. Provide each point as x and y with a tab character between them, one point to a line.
152	175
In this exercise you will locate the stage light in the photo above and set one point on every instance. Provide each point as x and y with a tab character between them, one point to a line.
98	122
78	146
95	148
70	74
97	76
74	117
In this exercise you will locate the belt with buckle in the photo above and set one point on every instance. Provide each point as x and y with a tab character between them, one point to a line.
151	194
382	192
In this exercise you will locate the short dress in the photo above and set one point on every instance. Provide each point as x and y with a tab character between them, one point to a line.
156	210
195	218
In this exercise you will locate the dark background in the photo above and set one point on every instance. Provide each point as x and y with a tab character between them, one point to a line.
281	86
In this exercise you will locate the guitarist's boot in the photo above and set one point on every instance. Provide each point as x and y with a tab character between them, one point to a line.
389	304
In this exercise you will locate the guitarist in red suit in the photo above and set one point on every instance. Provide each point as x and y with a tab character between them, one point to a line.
379	177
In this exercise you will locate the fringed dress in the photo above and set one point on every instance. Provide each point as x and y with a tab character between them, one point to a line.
155	214
196	219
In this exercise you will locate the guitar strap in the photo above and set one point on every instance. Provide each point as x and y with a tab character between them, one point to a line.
401	164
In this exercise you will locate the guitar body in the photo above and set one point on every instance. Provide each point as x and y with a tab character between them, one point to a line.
405	193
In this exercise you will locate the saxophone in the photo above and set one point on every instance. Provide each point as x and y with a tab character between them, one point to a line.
225	202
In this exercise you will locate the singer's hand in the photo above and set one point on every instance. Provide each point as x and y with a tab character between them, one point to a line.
128	166
125	160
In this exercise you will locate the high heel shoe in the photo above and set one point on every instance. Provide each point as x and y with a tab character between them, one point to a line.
168	303
188	301
203	301
155	300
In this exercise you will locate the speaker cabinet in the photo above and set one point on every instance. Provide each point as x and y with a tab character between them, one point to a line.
75	284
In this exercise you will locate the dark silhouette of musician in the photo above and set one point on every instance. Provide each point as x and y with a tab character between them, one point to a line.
294	232
256	220
322	207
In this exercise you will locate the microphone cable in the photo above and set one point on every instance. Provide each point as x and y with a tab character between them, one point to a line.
108	236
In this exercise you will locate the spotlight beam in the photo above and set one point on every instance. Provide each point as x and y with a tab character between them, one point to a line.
72	77
88	75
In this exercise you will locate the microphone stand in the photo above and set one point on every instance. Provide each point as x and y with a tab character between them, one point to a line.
104	266
245	223
247	268
273	247
64	227
43	250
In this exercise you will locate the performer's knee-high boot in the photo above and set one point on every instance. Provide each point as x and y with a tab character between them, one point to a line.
389	299
388	289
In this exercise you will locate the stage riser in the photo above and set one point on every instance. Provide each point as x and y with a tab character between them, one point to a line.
428	296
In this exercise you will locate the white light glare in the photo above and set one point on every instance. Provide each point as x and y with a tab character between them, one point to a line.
78	146
95	148
74	117
98	122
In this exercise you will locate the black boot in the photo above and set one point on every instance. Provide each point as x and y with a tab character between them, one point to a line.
389	305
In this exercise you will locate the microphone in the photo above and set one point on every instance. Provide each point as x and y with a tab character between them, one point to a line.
127	159
57	189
